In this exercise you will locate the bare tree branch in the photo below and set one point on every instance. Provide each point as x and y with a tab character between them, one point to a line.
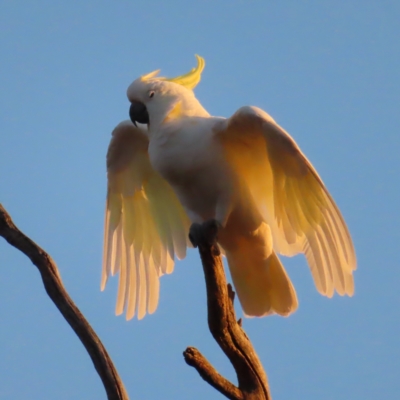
195	359
52	282
222	323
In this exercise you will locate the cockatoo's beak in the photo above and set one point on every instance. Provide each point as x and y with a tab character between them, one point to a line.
138	113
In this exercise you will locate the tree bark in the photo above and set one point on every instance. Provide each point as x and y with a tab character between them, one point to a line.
52	282
228	333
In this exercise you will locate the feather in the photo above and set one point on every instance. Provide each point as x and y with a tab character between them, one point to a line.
145	225
302	215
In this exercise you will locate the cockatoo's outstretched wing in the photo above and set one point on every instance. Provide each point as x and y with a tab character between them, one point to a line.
291	197
145	225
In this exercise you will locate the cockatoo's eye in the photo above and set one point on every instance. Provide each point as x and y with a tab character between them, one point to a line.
151	94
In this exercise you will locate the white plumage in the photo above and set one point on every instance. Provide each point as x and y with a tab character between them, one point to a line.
246	172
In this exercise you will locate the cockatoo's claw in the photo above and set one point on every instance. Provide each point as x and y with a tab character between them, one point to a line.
205	232
210	229
195	234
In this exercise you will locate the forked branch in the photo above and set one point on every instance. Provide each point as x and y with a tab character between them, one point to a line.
228	333
52	282
252	380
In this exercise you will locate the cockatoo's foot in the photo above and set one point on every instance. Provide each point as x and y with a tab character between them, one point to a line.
206	232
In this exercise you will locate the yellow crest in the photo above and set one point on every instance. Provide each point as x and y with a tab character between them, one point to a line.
192	78
189	80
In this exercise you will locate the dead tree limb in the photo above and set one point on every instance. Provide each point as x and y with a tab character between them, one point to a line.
52	282
228	333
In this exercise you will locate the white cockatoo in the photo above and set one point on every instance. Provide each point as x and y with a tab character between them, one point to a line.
244	172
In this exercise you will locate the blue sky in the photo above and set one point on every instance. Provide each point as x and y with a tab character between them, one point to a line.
327	71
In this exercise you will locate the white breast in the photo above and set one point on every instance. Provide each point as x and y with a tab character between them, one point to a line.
188	157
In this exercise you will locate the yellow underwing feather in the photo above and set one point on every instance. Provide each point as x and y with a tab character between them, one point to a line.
145	225
153	284
291	197
119	308
132	288
106	251
141	293
117	245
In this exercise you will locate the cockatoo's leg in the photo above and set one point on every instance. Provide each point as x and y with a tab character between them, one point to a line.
207	231
223	209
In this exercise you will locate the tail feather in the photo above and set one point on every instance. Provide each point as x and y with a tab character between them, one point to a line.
263	286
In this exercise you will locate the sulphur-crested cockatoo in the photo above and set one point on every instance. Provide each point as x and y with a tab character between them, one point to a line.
245	172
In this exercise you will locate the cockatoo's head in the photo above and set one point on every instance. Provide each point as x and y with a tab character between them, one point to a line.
155	100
